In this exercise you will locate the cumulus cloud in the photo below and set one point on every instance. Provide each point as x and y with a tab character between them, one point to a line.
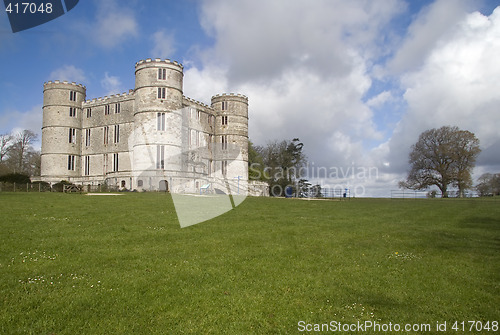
456	85
303	65
434	23
111	84
69	73
164	44
114	24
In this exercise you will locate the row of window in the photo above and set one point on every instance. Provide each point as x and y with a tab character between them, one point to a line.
71	163
116	135
160	162
107	110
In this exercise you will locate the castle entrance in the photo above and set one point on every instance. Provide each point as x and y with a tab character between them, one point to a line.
163	186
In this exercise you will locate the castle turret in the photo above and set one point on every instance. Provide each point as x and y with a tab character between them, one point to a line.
157	143
61	130
232	134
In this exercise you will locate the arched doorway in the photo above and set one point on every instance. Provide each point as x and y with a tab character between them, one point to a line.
163	186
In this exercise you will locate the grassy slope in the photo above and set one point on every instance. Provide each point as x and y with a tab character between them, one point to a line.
103	265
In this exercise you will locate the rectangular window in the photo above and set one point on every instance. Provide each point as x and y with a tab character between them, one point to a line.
87	165
87	137
210	140
224	120
106	110
161	92
72	96
105	164
198	138
71	162
162	74
106	134
224	167
115	162
160	157
72	112
117	108
72	135
160	121
198	115
89	112
224	105
224	142
117	133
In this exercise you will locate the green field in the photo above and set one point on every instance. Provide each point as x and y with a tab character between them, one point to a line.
77	264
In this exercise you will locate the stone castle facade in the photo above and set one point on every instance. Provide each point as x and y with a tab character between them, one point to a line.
151	138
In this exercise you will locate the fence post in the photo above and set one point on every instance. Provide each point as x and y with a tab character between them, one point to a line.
39	187
14	187
27	187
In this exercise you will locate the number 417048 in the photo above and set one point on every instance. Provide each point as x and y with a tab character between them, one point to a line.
29	8
475	326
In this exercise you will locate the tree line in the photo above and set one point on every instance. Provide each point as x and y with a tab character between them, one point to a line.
17	155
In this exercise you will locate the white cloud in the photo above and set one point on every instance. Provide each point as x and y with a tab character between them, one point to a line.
380	99
457	85
114	24
164	44
433	24
69	73
15	121
111	84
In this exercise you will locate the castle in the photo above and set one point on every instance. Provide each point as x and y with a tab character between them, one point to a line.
151	138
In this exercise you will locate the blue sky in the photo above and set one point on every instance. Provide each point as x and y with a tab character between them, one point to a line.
356	81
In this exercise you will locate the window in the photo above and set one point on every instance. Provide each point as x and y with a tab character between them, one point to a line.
160	157
162	74
117	133
71	163
105	163
197	138
72	96
140	183
224	120
72	135
87	165
224	105
87	137
106	134
161	92
117	108
210	140
224	142
115	162
106	110
89	112
198	115
72	112
160	121
224	167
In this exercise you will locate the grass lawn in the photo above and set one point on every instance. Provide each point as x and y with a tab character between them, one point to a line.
77	264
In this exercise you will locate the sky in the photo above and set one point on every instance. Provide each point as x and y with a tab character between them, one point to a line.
356	81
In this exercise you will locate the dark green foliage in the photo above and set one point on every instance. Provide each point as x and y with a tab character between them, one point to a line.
18	178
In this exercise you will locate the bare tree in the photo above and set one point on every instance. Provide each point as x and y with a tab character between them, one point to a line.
21	150
5	146
442	157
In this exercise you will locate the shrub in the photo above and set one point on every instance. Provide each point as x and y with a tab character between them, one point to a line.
17	178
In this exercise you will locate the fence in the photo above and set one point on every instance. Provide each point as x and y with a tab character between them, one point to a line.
408	194
45	187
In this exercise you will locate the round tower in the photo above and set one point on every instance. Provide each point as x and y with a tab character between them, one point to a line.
231	133
157	142
61	130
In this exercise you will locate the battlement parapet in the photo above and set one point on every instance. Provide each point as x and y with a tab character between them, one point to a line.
229	97
114	97
156	61
63	83
188	101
